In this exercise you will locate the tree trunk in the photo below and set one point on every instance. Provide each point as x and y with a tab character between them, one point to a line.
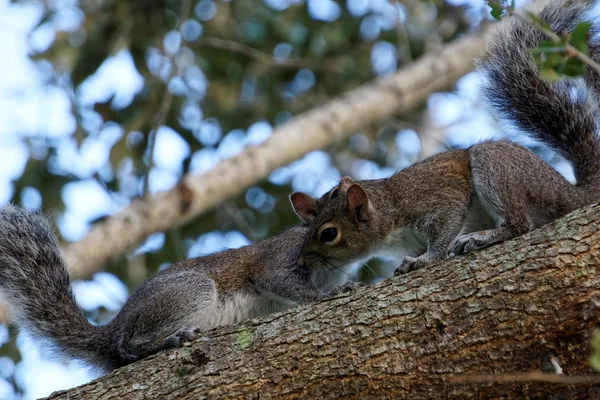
508	308
315	129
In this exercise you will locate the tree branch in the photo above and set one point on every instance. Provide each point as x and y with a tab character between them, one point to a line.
255	54
533	376
503	310
335	120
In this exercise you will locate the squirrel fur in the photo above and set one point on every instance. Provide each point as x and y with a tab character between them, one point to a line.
463	200
172	307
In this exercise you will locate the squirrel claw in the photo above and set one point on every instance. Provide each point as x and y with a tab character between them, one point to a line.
348	287
409	264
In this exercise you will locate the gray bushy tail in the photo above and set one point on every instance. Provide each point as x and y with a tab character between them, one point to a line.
35	284
561	114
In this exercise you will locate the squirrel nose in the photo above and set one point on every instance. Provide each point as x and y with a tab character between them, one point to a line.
301	261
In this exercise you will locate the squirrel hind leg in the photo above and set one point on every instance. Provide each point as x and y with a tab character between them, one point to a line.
516	224
181	336
499	193
478	240
133	350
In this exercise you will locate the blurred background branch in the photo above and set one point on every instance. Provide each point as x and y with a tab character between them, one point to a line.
309	131
264	58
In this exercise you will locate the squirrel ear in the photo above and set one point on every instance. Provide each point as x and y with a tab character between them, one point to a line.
345	183
358	202
304	206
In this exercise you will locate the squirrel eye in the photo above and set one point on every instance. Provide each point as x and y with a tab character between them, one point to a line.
328	235
335	193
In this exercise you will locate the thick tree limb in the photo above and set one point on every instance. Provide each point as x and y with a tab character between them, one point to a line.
312	130
506	309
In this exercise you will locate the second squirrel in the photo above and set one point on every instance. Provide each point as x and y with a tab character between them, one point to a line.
464	200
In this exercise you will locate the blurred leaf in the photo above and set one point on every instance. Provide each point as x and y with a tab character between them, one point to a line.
574	67
580	36
497	9
595	356
549	74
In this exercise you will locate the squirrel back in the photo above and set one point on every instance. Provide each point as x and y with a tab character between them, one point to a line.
561	114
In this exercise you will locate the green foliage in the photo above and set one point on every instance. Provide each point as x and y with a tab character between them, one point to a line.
580	36
499	9
557	59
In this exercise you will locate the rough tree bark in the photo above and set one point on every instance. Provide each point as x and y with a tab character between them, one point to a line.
505	309
312	130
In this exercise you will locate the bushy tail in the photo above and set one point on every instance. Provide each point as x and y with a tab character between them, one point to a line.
35	286
561	114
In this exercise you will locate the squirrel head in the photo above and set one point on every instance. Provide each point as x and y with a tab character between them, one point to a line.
343	226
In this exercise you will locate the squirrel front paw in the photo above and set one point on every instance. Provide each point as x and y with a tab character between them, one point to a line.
470	242
185	334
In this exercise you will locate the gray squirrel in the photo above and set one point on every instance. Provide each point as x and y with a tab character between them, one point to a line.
174	306
463	200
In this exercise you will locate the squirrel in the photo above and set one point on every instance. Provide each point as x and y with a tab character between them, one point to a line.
172	307
467	199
